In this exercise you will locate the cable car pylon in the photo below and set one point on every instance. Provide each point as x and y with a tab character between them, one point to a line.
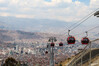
51	49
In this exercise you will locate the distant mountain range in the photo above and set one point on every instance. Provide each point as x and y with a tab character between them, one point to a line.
33	25
41	26
8	35
17	35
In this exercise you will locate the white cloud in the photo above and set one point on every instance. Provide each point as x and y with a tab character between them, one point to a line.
94	4
2	1
68	1
24	16
3	8
65	10
5	14
14	1
77	2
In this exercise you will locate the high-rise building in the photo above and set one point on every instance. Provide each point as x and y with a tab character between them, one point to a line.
17	48
22	50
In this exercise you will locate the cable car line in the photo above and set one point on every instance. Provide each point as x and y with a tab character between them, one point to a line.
93	28
88	30
91	14
81	21
84	17
85	40
71	39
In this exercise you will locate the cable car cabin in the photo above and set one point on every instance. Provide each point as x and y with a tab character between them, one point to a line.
60	44
71	40
46	52
85	41
52	44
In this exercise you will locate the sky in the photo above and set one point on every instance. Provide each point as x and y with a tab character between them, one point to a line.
64	10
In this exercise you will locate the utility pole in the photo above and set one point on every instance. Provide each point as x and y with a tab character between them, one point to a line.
81	60
51	49
90	55
2	62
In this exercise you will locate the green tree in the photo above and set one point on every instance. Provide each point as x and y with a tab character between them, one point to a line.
60	65
10	62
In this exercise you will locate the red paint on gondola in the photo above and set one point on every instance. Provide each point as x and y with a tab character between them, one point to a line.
52	44
71	40
85	41
46	52
60	44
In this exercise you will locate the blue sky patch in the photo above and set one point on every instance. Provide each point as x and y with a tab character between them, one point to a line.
84	1
48	0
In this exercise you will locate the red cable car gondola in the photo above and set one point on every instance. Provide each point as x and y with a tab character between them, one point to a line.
85	41
52	44
71	40
60	44
46	52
